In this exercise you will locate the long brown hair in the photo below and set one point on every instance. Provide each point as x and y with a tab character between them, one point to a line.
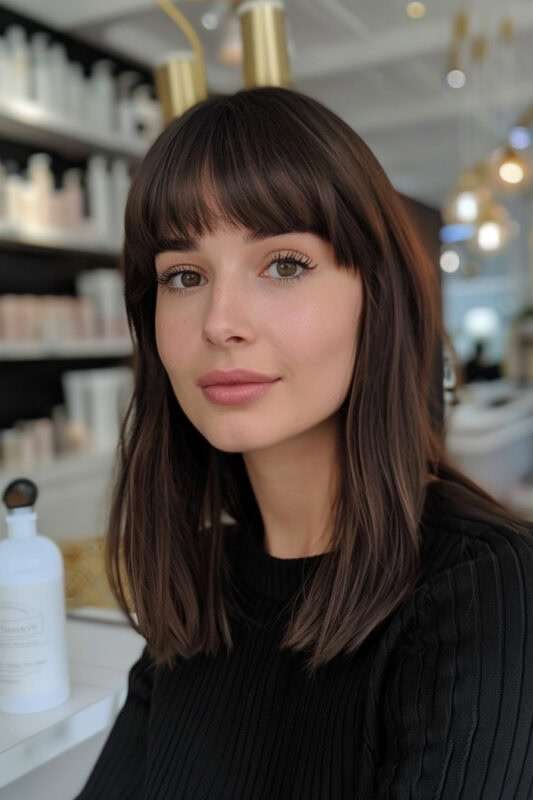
277	160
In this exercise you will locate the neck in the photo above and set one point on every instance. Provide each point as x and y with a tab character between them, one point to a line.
294	483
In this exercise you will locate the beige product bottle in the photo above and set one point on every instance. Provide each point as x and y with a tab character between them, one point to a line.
34	670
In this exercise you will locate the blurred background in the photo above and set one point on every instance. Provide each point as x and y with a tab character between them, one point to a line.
441	91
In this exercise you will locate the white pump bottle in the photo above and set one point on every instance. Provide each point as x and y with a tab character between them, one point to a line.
34	670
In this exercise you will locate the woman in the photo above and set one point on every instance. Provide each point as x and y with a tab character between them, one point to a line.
331	609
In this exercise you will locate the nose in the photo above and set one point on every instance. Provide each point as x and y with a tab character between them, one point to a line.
228	313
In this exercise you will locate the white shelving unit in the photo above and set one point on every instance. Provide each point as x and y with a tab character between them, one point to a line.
75	348
54	240
27	121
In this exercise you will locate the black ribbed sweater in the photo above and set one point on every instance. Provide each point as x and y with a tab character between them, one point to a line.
436	705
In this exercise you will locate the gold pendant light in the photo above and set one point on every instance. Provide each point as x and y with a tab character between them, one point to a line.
495	230
180	79
470	194
266	61
509	169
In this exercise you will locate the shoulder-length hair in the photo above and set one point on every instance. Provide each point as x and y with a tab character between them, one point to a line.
276	160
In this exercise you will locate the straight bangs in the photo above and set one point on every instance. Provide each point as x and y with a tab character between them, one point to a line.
237	166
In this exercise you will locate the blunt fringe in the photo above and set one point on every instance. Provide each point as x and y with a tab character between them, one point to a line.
275	160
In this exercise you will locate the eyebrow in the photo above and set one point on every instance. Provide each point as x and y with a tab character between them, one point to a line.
187	245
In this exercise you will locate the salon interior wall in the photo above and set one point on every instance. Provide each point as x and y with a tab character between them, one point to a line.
503	284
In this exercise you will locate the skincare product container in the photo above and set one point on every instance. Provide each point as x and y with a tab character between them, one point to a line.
124	83
99	191
18	58
41	188
34	669
58	65
102	95
41	81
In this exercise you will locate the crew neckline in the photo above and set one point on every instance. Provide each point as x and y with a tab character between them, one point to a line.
266	574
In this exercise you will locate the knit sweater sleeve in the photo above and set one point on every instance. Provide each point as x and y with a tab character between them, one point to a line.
118	773
458	705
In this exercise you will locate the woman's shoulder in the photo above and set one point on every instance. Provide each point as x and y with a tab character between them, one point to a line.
452	671
475	579
465	556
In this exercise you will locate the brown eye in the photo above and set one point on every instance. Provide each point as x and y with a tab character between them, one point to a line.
287	264
189	278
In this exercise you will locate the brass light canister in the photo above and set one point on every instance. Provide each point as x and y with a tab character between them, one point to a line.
179	77
266	61
179	83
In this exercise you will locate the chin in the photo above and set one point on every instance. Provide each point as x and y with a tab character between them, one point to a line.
238	443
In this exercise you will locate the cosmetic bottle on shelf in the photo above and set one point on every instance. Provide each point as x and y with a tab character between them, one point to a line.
58	77
41	186
27	449
30	205
73	195
102	96
18	56
9	448
28	443
125	111
41	85
76	92
105	289
120	184
98	194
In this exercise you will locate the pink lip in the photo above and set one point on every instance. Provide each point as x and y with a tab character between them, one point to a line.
228	395
233	376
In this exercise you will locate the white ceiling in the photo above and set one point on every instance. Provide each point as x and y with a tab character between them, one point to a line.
379	70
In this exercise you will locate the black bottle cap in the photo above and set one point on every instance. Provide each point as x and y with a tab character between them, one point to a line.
20	493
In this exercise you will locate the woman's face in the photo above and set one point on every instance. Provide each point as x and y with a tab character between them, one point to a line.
236	310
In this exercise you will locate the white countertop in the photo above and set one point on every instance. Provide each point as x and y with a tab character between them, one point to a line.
100	656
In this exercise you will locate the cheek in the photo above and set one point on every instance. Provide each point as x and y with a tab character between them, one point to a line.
321	336
170	334
319	344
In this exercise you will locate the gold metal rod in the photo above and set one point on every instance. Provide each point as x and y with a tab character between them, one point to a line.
180	79
460	25
177	17
506	29
480	48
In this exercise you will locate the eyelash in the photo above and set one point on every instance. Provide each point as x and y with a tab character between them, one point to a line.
292	258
